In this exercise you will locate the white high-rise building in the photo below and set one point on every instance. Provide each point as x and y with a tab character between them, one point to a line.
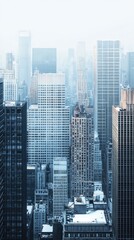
60	185
10	85
49	121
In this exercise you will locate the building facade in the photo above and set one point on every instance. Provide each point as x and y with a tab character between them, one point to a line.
107	94
10	85
60	185
49	121
82	149
15	170
123	166
1	157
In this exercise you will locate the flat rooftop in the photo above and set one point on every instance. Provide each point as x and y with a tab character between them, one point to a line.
91	217
47	228
13	103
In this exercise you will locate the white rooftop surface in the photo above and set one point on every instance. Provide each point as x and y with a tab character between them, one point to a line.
97	216
29	209
47	228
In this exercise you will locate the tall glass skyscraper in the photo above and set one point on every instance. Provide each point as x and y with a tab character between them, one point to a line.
123	167
15	170
108	76
1	158
107	93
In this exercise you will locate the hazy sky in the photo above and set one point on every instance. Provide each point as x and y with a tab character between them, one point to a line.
64	22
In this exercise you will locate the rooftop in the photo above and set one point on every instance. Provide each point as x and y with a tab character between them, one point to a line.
91	217
13	103
47	228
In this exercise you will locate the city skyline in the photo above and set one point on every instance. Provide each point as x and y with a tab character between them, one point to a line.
62	23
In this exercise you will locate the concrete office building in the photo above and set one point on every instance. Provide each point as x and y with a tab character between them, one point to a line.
123	166
82	150
39	219
87	221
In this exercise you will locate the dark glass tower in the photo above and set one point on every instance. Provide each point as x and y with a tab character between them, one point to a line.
107	89
44	60
15	169
1	158
123	167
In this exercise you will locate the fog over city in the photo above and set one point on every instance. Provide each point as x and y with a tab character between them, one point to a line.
61	23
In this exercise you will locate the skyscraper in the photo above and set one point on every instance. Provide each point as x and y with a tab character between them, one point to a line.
24	64
130	58
9	61
81	75
44	60
97	160
108	79
108	76
15	160
123	166
10	85
60	185
49	121
1	158
82	148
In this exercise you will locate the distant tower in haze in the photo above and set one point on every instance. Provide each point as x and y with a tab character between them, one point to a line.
9	61
123	166
81	75
15	169
44	60
24	64
71	84
130	58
